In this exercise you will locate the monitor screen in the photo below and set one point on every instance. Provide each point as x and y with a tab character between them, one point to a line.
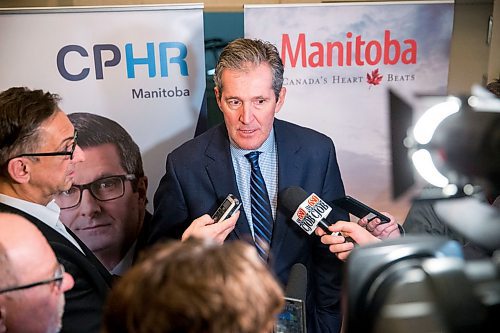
292	319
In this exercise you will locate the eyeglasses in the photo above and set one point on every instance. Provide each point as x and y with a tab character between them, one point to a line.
104	189
56	153
56	280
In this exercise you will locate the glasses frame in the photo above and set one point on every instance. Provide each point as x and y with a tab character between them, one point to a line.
57	280
123	178
56	153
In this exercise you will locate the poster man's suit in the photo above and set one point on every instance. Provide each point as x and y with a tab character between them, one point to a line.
199	175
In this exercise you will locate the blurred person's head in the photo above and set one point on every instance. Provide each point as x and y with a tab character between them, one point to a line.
195	286
38	150
105	207
32	282
249	90
494	87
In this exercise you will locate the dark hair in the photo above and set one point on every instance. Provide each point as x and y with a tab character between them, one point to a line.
242	52
22	112
195	286
494	87
95	130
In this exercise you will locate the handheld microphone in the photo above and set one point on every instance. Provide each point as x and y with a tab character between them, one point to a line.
309	211
297	282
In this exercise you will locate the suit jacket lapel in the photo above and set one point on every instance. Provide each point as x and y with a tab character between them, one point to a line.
220	170
289	173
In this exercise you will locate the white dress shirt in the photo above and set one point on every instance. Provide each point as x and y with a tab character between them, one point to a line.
47	214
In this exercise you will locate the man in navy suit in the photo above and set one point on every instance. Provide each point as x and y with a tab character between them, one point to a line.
38	153
203	171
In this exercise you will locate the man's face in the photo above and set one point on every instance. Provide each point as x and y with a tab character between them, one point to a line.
53	174
38	309
106	226
249	104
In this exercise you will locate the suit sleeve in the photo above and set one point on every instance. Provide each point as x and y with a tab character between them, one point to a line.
170	217
327	267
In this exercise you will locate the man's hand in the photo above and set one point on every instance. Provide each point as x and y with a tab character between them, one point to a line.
338	245
381	230
204	227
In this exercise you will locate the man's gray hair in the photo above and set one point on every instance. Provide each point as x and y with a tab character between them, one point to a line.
242	52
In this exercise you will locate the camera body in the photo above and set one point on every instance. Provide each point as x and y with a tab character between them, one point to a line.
420	284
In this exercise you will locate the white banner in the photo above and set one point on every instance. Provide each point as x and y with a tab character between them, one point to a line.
340	60
142	66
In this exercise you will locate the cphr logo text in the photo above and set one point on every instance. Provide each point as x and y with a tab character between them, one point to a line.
168	57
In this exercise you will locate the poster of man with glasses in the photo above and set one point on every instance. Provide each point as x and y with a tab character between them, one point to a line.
106	205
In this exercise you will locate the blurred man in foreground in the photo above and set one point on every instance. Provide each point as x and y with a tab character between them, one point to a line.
32	282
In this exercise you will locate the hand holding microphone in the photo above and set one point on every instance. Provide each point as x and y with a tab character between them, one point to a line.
310	212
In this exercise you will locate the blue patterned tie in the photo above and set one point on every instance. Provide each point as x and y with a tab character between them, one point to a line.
262	216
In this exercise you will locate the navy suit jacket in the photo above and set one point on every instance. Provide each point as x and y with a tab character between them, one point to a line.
84	302
199	175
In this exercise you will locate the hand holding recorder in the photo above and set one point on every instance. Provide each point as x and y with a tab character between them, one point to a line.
381	230
219	225
340	232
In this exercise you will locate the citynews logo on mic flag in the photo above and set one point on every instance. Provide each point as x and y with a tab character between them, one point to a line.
310	212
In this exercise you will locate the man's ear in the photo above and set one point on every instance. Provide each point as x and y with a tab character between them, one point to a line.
142	187
218	96
19	170
3	319
281	100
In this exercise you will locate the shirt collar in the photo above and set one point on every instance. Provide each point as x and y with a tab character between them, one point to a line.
48	214
126	261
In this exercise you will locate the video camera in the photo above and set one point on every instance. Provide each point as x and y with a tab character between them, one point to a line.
422	283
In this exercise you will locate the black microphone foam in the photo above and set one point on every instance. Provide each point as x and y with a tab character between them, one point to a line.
297	282
292	197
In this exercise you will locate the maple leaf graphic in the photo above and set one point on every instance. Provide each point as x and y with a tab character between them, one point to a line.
375	78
